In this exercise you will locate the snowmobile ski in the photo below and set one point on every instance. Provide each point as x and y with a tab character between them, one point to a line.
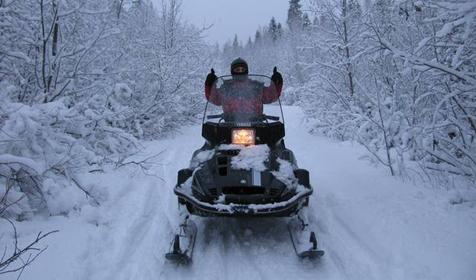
303	239
182	245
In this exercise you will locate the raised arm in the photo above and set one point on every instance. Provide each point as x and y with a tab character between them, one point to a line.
211	92
273	91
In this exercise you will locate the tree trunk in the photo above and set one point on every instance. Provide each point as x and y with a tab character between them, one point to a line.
346	48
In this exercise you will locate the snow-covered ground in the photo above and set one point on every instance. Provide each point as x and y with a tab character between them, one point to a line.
371	225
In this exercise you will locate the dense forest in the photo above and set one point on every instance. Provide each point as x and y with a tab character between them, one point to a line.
396	76
81	82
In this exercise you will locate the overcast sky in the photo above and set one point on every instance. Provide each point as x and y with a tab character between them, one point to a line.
233	16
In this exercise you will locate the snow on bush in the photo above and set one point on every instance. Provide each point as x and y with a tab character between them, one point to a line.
396	76
49	145
79	97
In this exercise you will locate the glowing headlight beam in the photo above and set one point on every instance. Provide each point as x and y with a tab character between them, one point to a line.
243	137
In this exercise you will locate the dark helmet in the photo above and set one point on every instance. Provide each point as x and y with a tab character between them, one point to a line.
239	67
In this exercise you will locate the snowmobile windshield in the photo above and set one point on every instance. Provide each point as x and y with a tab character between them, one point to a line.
243	99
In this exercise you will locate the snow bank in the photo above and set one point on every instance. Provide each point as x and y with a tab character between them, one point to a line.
52	145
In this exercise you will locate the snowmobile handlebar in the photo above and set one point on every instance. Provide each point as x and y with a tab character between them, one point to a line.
271	118
252	75
217	116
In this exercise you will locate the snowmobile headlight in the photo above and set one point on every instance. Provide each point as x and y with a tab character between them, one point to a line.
243	136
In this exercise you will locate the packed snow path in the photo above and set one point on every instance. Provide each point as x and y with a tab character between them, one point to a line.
372	226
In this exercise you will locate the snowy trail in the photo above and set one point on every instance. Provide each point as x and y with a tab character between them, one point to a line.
372	226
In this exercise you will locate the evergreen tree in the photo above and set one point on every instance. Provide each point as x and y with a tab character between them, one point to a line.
279	30
235	44
355	10
294	15
273	29
306	22
257	37
249	44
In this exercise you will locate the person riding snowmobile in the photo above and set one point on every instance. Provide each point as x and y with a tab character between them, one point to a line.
244	169
242	96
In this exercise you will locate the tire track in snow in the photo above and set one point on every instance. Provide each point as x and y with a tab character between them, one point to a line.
331	259
336	234
344	243
136	238
249	236
138	213
120	245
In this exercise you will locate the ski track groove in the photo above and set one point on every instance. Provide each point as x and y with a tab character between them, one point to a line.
251	264
331	259
139	229
241	243
333	229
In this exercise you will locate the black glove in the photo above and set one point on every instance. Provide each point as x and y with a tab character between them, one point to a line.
211	78
277	78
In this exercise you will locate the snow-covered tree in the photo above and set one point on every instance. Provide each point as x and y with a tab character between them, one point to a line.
397	76
273	29
81	81
295	15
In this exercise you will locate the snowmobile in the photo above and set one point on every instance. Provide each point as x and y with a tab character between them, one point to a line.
243	170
